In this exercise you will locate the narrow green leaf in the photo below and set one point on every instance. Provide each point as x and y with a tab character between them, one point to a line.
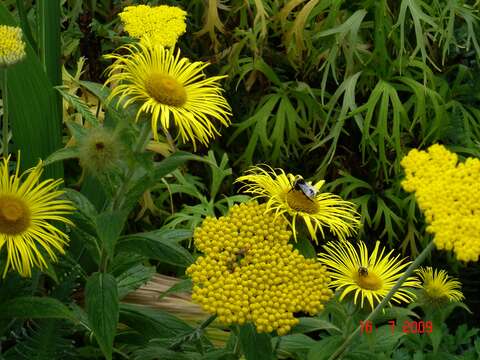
133	278
101	298
182	286
33	109
62	154
313	324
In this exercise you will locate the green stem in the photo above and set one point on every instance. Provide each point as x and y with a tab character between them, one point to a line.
5	114
415	264
140	146
207	322
170	141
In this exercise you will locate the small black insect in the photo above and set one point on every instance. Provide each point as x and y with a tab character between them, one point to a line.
362	271
308	190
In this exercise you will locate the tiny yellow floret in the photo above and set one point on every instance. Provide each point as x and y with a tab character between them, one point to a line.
163	24
12	47
250	273
448	193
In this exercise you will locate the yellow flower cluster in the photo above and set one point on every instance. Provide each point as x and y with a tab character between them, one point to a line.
250	273
12	47
163	24
448	193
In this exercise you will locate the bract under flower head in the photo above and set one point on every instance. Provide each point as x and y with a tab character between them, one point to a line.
163	24
12	47
250	273
448	193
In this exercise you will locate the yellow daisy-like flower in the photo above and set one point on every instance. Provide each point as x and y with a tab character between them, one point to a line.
163	24
318	210
26	206
369	277
438	288
171	89
448	193
12	47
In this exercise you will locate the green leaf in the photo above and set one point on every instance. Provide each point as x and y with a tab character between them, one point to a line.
101	298
255	346
313	324
109	226
294	344
30	307
62	154
79	105
133	278
182	286
152	323
33	108
158	245
324	348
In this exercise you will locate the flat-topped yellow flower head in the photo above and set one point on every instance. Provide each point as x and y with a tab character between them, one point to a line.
173	90
250	273
163	24
448	193
27	204
368	277
12	47
291	197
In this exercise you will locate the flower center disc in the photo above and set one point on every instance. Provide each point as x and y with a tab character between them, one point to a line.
166	90
434	291
298	201
369	281
14	215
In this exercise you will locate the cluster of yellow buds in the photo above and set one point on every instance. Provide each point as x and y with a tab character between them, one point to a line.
250	273
12	47
448	193
163	24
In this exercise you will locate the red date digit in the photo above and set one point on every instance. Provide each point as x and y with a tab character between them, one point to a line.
428	327
392	325
421	327
406	327
414	327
